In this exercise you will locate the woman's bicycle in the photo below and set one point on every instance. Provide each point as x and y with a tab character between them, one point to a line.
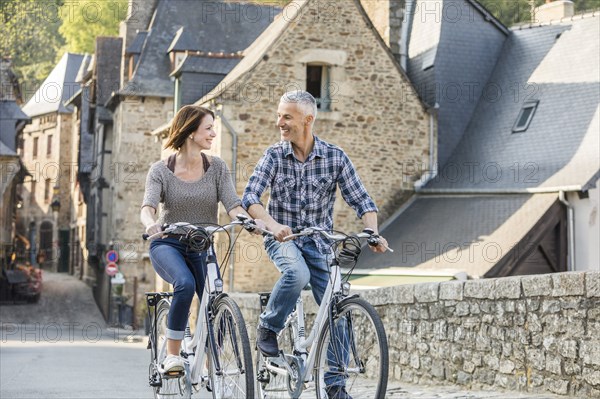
348	345
220	334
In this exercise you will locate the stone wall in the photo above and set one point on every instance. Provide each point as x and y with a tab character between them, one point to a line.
528	333
134	150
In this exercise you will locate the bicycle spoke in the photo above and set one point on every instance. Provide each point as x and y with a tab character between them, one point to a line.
231	352
354	353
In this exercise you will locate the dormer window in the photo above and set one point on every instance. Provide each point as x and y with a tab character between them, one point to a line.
317	84
525	116
176	58
180	45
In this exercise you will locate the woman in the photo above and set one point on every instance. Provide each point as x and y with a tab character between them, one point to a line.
190	186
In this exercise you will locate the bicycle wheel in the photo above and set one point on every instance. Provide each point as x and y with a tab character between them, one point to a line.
271	385
170	387
355	355
235	377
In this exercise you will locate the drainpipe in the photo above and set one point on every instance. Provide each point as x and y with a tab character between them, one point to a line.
404	33
570	231
234	145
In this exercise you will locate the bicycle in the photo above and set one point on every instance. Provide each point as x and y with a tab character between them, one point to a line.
220	332
351	344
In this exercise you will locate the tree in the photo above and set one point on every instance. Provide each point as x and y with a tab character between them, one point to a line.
84	20
29	36
511	12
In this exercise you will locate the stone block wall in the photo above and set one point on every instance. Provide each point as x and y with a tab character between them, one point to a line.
537	334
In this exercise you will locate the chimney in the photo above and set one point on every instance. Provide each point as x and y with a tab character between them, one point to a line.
553	11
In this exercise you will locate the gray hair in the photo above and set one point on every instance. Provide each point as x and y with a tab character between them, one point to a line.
302	98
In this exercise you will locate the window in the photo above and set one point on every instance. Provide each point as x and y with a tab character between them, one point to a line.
35	146
49	149
47	191
317	84
525	116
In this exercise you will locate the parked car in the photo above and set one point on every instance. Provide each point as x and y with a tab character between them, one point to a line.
21	283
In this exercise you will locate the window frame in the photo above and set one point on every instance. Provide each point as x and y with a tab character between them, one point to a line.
324	100
528	105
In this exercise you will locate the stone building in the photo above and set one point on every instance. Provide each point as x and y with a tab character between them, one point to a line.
12	172
47	156
516	190
367	105
118	110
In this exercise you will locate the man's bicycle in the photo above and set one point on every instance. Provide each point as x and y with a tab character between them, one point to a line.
348	344
220	334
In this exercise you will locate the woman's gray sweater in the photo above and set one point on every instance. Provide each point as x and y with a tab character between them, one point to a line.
194	201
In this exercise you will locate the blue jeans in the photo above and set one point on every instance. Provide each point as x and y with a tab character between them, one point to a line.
185	271
298	267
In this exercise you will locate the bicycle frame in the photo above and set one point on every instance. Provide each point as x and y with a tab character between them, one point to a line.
195	353
302	343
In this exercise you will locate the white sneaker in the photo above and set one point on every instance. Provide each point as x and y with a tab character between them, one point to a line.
172	364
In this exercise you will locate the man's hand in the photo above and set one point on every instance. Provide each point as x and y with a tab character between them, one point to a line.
280	231
381	247
261	225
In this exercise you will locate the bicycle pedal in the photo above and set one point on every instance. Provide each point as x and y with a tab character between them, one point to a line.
174	374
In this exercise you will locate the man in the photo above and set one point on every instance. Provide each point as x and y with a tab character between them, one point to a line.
302	172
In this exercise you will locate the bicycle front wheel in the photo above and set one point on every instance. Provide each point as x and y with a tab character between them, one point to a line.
230	366
170	387
355	354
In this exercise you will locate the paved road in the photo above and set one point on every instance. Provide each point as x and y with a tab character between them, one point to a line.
61	348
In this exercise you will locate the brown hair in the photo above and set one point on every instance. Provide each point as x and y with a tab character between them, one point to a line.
185	123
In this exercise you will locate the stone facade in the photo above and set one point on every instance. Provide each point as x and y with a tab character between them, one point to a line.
533	333
134	150
387	17
375	115
51	166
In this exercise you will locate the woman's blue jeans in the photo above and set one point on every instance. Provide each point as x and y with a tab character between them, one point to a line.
186	272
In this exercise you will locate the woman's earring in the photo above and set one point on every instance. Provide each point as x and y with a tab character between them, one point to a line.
191	137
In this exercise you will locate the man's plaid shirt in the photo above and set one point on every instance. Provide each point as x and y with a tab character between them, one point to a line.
303	193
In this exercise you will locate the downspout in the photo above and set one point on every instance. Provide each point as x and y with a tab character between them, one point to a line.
234	146
404	33
570	231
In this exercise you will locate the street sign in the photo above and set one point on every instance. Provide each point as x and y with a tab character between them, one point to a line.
112	269
118	279
112	256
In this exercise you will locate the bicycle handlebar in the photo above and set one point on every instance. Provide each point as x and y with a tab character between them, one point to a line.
242	220
369	234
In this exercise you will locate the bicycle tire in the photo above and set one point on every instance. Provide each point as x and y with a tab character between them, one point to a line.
363	351
171	387
233	351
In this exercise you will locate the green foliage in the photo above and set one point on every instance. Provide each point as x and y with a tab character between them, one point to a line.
84	20
511	12
29	36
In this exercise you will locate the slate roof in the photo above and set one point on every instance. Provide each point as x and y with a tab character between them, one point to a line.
460	44
10	110
5	151
205	64
137	45
458	232
210	26
58	87
557	65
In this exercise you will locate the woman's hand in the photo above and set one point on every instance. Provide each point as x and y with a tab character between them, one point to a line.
153	228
